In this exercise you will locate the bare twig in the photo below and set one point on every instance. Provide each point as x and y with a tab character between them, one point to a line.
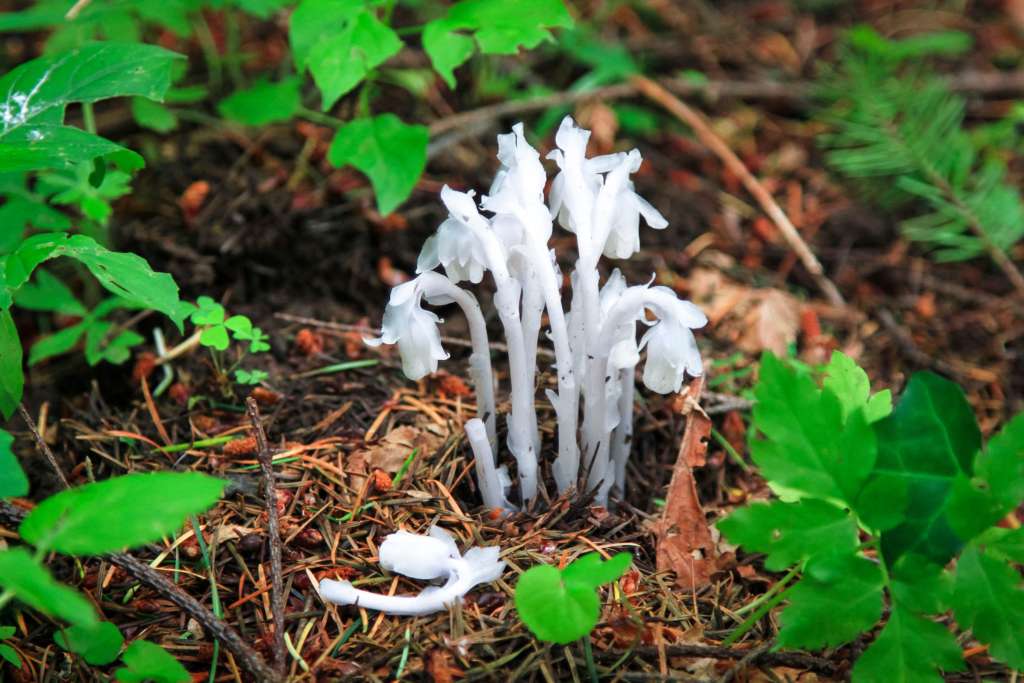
76	9
245	655
695	120
41	445
273	531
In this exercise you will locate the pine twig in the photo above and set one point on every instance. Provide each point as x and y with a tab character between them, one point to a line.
273	531
41	445
695	120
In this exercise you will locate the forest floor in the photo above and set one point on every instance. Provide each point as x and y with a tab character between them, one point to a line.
262	223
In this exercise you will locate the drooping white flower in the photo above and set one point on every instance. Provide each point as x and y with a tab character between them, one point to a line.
422	557
620	205
455	245
575	187
671	353
414	329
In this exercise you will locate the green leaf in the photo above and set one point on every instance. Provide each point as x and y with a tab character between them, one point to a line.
264	102
57	343
91	194
36	94
590	570
13	482
928	443
126	275
790	532
250	377
12	379
6	632
21	213
240	325
910	649
498	28
98	645
988	599
48	293
393	154
555	611
120	512
920	586
144	661
11	655
207	312
851	386
215	337
808	447
31	583
153	115
1001	465
340	43
838	598
1005	543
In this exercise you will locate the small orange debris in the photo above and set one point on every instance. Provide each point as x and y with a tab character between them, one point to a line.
310	343
380	481
144	365
179	393
265	396
453	385
244	446
192	199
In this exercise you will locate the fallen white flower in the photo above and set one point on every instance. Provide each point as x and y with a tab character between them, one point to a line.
430	557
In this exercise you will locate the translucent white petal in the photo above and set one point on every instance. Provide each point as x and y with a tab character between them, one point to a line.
416	556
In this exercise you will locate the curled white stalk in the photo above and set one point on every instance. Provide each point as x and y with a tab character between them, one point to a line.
419	341
430	557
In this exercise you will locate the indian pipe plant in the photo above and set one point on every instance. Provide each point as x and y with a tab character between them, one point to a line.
595	341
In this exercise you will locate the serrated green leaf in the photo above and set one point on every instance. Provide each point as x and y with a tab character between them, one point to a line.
851	386
553	610
144	661
926	445
12	379
263	103
31	583
1001	464
590	570
13	482
121	512
807	446
153	115
910	649
837	599
790	532
35	95
48	293
988	599
98	645
21	213
920	586
393	154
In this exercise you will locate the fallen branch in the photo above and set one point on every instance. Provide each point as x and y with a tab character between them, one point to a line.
273	531
795	660
41	445
712	141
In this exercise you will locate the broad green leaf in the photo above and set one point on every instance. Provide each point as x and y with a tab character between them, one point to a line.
9	654
264	102
36	94
910	649
98	645
144	661
57	343
393	154
13	482
126	275
791	532
837	599
807	446
1006	543
21	213
48	293
1001	465
12	379
920	586
590	570
313	20
153	115
340	60
120	512
31	583
926	445
555	611
989	600
497	27
851	386
6	632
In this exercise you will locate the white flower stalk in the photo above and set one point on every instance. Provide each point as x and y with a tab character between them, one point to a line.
427	558
415	330
595	344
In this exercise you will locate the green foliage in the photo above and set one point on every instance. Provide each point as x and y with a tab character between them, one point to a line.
264	102
919	484
29	581
217	330
100	344
144	661
392	153
897	130
98	645
8	653
75	187
113	514
13	482
563	606
32	131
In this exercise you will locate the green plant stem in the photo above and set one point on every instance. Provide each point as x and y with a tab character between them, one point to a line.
202	443
733	454
320	117
779	585
218	610
214	64
765	607
588	656
89	117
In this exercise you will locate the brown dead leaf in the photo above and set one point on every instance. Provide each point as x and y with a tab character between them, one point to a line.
771	324
440	668
684	540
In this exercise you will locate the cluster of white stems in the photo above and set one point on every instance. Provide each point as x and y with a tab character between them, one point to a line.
595	343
